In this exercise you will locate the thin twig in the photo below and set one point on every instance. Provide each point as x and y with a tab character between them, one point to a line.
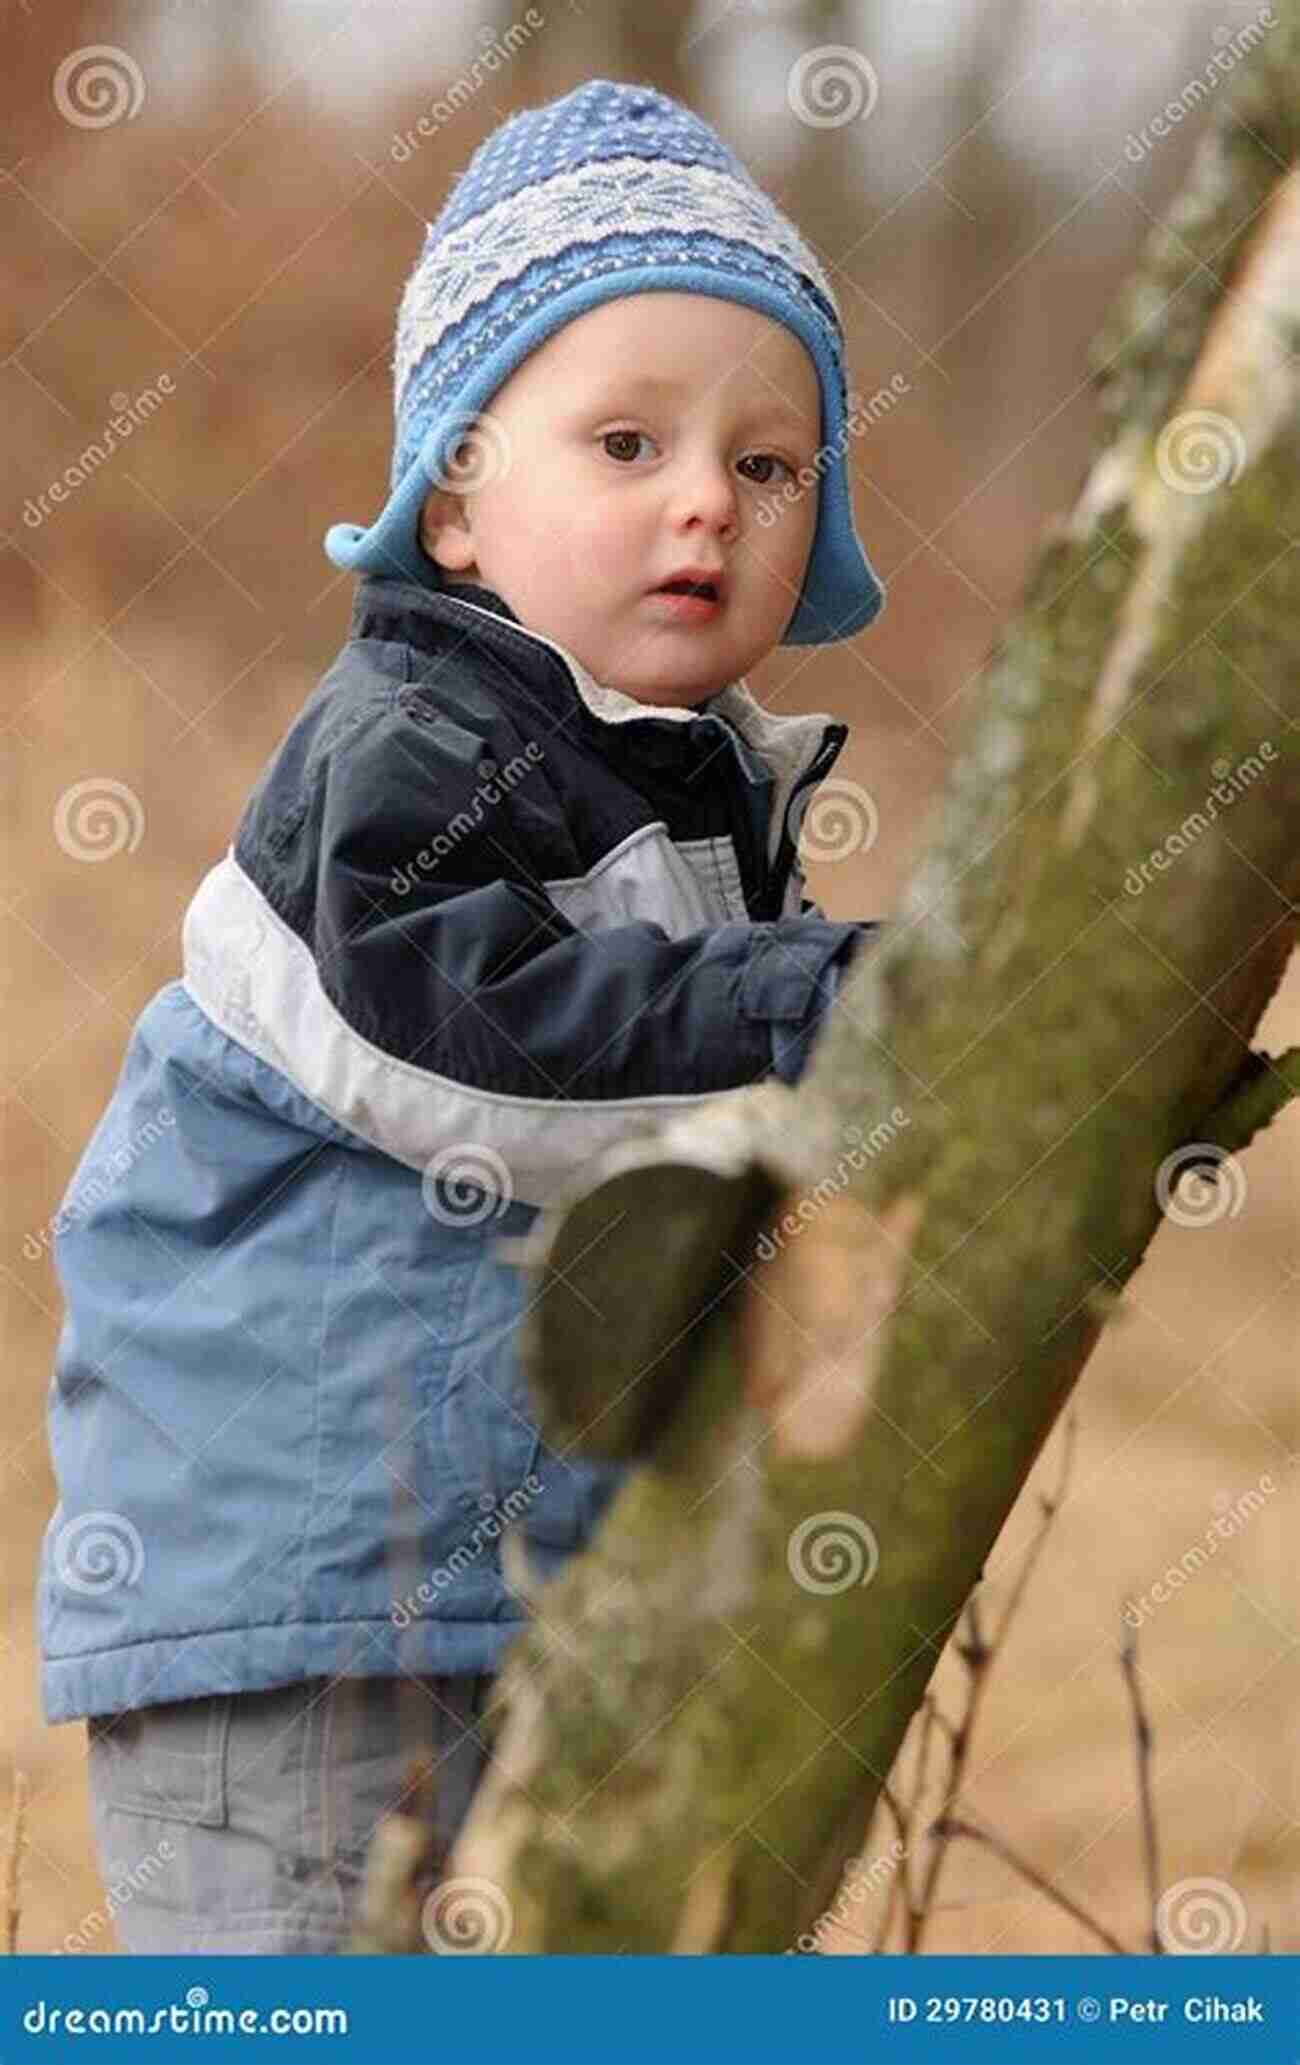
1142	1735
13	1850
930	1719
979	1656
950	1826
1049	1507
901	1881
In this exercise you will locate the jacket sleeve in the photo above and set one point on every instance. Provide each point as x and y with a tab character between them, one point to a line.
444	1009
792	1044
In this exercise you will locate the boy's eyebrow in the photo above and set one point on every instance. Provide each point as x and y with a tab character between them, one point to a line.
770	407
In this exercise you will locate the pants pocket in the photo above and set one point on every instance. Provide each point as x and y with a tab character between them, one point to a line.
168	1760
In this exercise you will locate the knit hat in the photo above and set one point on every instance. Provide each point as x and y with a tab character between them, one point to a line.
614	189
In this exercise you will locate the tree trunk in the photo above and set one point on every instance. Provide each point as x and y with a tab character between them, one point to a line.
920	1245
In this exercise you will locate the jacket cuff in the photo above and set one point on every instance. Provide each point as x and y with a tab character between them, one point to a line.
786	978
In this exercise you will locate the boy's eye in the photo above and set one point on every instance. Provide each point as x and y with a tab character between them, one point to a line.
623	444
623	438
768	459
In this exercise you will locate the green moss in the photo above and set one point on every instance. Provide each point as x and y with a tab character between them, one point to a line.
1047	1035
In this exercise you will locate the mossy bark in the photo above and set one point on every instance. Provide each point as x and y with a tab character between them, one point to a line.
704	1707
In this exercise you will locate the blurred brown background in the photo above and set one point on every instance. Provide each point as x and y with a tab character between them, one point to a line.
207	230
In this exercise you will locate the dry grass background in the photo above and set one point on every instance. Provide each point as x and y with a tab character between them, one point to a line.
163	625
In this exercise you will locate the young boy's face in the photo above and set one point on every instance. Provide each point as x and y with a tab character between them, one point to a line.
653	433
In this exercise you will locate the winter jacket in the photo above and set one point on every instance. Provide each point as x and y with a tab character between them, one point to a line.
482	918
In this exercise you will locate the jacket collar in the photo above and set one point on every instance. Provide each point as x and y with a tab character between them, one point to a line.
787	746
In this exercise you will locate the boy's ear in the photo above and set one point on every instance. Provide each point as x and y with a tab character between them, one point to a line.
444	531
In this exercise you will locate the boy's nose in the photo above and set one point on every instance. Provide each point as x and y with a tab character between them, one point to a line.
705	492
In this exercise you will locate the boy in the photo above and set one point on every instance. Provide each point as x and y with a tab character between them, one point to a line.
520	881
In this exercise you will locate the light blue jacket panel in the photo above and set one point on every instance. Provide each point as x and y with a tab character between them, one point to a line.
488	913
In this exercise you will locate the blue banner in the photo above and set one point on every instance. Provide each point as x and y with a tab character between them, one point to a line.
663	2010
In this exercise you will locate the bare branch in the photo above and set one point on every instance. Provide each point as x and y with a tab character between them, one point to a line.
953	1827
14	1845
1142	1742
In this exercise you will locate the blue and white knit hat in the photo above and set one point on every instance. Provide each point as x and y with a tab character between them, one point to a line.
614	189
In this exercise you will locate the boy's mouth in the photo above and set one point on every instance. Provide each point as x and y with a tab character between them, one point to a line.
706	588
688	602
697	581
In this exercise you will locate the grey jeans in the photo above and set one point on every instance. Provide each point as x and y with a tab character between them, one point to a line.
239	1822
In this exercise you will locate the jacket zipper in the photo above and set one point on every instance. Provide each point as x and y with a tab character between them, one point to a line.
826	755
769	903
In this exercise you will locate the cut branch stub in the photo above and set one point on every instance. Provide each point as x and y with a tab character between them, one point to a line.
636	1255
